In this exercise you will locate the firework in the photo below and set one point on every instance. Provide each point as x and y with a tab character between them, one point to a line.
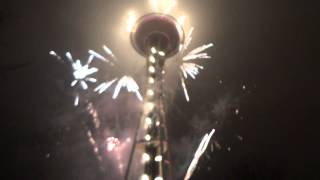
164	6
127	82
112	143
189	68
201	149
81	73
104	86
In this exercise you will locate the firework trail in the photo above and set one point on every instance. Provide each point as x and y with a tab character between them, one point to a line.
201	149
124	82
189	68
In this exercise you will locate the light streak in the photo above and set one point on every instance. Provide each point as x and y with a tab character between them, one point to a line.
76	100
191	69
124	82
196	56
171	4
154	4
94	113
200	49
164	6
185	90
201	149
53	53
129	83
188	40
97	55
109	52
104	86
181	20
131	21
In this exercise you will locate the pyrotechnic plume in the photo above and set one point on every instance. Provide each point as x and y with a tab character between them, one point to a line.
201	149
129	83
124	82
112	143
162	6
189	68
81	73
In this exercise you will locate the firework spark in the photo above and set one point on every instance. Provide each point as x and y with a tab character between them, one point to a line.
81	73
112	143
164	6
201	149
104	86
131	21
124	82
129	83
189	68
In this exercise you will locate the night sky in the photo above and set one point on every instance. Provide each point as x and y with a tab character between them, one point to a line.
265	45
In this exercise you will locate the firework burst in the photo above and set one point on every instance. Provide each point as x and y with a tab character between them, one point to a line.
125	82
187	67
82	74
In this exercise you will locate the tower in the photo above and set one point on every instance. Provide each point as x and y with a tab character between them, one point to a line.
157	37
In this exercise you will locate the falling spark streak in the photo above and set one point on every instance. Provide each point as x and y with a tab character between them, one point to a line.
76	100
188	40
69	57
125	82
97	55
185	90
109	52
94	113
131	21
188	68
130	84
90	59
52	53
104	86
200	49
196	56
201	149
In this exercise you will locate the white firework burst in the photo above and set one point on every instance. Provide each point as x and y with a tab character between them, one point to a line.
126	81
82	74
190	68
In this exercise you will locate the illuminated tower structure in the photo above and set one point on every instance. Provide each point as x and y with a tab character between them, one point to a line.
157	37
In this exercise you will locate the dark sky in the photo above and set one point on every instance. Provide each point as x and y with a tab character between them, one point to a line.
267	45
